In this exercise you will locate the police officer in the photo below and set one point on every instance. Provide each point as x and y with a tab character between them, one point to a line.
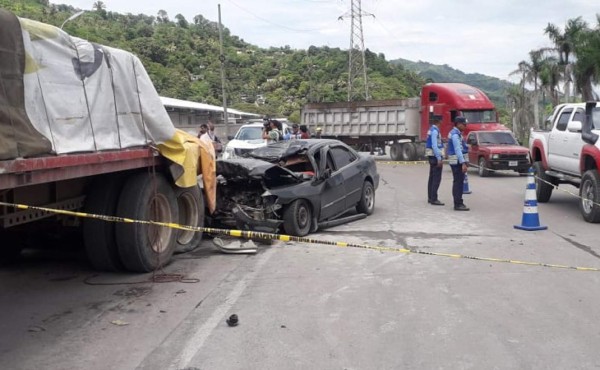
458	163
433	151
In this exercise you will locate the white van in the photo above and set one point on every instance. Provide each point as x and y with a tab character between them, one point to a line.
248	138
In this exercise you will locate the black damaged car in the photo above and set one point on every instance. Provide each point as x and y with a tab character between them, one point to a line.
294	187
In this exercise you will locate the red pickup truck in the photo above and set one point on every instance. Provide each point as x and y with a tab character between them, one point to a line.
497	150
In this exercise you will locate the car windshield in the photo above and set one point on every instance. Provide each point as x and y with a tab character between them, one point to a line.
480	116
249	133
497	138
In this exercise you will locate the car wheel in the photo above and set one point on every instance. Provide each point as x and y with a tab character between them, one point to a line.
589	191
543	187
482	170
297	218
367	199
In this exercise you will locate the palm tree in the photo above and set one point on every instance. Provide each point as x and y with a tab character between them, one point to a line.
99	5
564	45
530	73
550	77
522	116
587	66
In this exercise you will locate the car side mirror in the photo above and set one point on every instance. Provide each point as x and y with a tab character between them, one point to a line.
230	137
326	174
574	126
472	142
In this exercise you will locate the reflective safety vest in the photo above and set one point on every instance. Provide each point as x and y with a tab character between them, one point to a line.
429	144
451	151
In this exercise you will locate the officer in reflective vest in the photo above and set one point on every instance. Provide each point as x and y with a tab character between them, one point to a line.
457	148
433	151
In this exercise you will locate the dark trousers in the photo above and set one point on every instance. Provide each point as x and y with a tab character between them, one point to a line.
435	178
457	184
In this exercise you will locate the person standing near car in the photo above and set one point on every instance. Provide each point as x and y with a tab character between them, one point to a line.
458	163
433	151
273	133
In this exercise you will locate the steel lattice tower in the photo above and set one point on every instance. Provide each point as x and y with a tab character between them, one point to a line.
358	88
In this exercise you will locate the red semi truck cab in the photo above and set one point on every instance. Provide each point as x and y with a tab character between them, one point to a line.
449	100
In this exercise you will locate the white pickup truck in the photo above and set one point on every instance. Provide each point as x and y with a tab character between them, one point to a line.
570	154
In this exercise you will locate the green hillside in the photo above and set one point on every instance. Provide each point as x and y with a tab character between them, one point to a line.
494	88
182	59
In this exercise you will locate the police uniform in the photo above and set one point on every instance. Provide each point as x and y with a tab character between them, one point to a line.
433	151
457	149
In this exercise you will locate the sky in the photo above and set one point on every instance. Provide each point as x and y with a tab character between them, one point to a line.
475	36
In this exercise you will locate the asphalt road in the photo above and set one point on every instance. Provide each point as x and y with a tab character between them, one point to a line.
304	306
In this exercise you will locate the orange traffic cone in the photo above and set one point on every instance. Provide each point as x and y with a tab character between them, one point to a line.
531	218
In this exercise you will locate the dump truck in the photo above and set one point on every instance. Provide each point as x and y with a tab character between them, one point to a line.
83	129
402	124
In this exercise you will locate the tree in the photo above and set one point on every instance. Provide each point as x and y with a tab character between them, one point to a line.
587	66
564	43
99	6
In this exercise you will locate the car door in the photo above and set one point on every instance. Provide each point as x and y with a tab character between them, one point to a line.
332	195
345	161
572	144
558	137
473	147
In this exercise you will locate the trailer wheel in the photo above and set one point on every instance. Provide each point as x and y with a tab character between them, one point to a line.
366	204
543	190
191	213
482	170
589	191
144	247
297	218
395	152
408	152
420	151
98	235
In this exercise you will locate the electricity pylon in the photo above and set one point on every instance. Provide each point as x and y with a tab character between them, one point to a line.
358	87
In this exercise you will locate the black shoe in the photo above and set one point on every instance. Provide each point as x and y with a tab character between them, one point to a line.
436	203
461	207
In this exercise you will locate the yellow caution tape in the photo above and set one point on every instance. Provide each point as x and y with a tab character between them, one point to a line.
287	238
403	162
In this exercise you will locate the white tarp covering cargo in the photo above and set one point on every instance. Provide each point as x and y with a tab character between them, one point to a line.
80	96
60	94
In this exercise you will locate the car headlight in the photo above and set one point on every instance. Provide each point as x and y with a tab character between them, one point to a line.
228	153
495	156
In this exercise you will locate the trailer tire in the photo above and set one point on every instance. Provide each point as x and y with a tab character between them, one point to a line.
395	152
543	190
366	204
589	191
408	152
144	247
297	218
98	235
420	151
191	212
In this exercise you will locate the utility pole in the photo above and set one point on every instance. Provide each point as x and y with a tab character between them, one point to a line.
222	59
358	87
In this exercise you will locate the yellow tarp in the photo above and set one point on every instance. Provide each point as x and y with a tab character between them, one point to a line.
196	157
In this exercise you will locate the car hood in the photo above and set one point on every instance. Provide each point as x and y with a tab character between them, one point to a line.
244	169
505	148
246	144
280	150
